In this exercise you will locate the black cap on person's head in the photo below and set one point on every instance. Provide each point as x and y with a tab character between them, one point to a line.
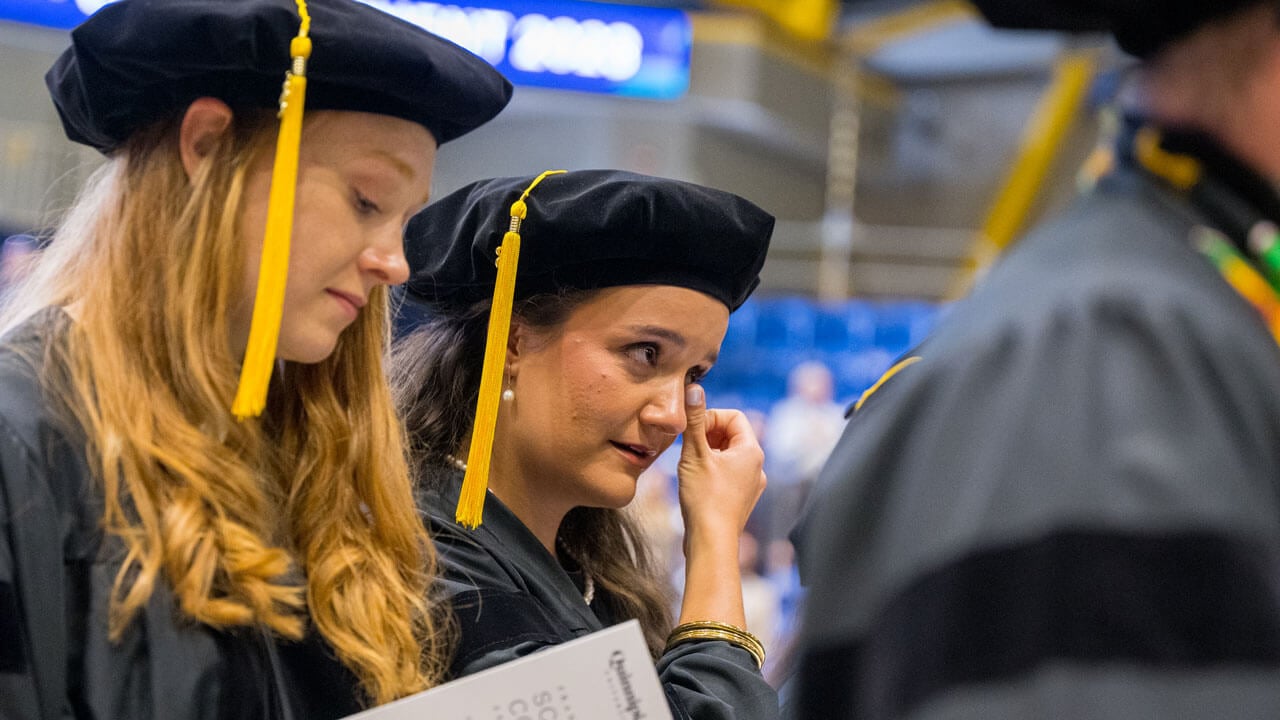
1141	27
136	61
588	229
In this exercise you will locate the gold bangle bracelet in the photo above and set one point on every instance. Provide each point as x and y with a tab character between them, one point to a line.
712	630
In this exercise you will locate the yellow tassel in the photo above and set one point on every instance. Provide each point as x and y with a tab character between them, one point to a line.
1183	171
475	484
268	304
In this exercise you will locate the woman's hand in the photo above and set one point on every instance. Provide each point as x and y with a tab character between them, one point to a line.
721	469
721	474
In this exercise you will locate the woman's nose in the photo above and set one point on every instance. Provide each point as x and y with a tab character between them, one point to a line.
384	259
665	409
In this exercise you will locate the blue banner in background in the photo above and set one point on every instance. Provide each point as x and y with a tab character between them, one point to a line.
61	14
566	44
592	47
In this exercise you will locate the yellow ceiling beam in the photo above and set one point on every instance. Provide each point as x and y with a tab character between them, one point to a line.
820	59
1042	139
807	20
866	38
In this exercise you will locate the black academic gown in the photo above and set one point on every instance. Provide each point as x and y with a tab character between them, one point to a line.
513	598
56	574
1069	507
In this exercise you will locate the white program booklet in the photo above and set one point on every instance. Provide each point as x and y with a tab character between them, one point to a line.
601	676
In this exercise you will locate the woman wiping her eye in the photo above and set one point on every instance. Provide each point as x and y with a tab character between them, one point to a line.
620	300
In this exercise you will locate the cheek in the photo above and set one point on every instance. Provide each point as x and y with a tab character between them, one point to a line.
323	235
251	229
252	223
604	401
587	376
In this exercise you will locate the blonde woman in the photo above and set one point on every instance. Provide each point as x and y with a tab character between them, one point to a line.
161	556
621	297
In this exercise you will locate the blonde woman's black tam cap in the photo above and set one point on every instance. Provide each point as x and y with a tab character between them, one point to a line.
1141	27
137	61
588	229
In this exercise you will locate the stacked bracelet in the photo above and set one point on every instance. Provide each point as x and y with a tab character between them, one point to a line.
712	630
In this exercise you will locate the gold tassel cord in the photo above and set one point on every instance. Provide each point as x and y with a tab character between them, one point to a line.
268	304
476	482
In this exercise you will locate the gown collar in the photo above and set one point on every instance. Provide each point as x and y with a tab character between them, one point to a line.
503	531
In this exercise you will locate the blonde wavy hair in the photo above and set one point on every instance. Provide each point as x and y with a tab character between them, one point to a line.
232	515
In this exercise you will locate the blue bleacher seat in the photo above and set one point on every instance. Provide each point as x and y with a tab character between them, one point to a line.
843	326
742	329
858	339
784	322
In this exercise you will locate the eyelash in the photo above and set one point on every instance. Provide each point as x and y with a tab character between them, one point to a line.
365	206
645	353
648	353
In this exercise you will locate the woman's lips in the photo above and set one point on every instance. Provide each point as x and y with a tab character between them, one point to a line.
350	304
638	455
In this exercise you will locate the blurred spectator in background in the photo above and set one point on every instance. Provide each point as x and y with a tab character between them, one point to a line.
761	518
1068	505
780	569
760	598
657	510
802	428
15	257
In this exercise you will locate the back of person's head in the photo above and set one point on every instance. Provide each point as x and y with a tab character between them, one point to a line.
1142	28
1211	67
1205	44
274	521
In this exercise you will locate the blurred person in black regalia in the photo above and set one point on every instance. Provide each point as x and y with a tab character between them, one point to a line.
1066	503
175	541
619	305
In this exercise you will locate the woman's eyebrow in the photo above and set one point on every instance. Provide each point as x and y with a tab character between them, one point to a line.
668	334
672	336
403	168
400	165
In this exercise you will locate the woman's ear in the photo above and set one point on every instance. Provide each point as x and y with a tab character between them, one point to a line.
517	340
203	124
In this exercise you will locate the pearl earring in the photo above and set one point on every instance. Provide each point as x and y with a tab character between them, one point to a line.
508	395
